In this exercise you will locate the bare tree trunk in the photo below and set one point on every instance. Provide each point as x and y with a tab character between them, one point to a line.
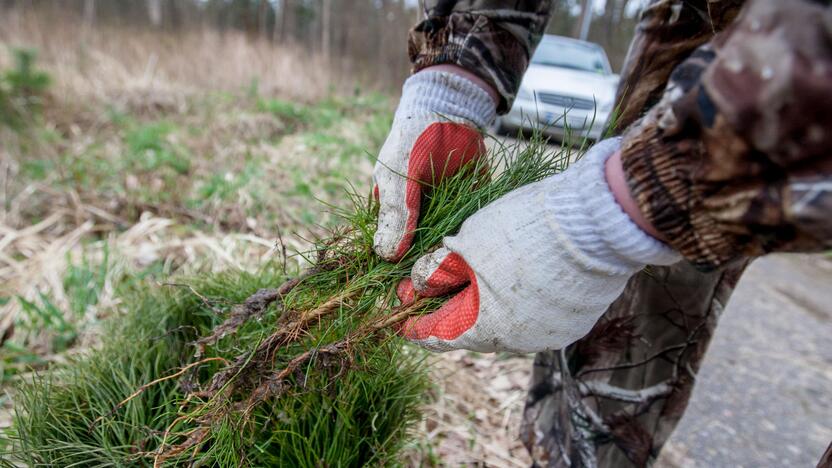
618	11
263	19
154	12
286	19
577	29
612	19
326	25
89	13
277	29
586	19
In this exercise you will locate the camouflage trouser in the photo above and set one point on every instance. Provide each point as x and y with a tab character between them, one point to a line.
826	459
613	398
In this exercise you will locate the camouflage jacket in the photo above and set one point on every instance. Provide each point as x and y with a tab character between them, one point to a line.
734	157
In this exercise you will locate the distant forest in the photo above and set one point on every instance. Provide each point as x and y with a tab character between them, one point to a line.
361	38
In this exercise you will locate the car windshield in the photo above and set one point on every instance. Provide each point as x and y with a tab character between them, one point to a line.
569	54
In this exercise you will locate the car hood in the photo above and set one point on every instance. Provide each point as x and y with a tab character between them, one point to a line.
575	83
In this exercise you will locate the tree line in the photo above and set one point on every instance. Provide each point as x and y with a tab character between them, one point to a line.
365	39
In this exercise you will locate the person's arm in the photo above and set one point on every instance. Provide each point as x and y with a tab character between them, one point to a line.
493	39
468	58
736	159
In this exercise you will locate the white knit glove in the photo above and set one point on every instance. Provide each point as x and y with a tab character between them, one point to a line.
535	269
434	133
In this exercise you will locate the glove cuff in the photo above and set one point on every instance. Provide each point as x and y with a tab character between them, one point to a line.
595	226
444	94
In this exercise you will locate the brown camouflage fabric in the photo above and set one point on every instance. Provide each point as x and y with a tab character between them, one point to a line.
735	160
613	398
494	39
667	32
732	162
634	373
826	459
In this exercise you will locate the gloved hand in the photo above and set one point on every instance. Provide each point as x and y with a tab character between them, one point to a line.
535	269
435	132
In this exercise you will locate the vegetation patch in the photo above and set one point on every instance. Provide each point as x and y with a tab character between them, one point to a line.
263	370
22	90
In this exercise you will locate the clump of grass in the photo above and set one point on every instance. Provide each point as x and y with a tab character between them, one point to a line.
149	149
22	89
216	371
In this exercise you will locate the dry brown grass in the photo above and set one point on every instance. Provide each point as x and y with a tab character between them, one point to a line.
153	68
475	415
149	76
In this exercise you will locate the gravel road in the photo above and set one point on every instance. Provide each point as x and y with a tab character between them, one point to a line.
764	395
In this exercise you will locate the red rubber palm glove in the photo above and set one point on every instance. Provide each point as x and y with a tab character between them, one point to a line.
435	132
535	269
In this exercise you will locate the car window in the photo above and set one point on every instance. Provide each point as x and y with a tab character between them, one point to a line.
568	54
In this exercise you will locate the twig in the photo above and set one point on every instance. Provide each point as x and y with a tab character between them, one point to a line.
399	316
275	385
283	335
144	387
165	435
285	257
195	438
208	302
255	305
291	331
605	390
630	365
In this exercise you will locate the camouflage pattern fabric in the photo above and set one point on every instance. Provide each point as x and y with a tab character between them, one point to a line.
826	459
613	398
632	376
731	162
667	32
493	39
735	160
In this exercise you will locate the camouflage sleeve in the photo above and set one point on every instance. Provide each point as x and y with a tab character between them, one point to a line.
493	39
666	34
735	160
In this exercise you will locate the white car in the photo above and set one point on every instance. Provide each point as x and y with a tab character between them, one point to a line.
568	88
